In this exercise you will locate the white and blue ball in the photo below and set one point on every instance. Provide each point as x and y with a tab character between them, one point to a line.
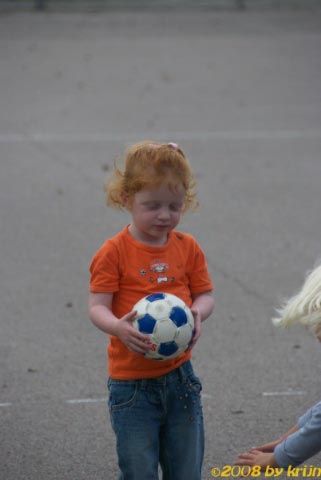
169	323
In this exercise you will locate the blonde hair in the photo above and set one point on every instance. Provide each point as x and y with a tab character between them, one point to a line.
305	307
146	165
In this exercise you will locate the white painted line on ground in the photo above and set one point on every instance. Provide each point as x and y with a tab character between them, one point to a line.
77	401
281	394
124	137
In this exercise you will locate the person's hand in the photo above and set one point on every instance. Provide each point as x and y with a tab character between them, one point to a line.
267	447
197	327
134	340
256	457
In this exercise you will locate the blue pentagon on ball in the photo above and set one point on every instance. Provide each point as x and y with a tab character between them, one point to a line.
178	316
167	348
146	324
155	296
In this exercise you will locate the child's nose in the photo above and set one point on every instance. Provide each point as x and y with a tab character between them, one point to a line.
164	213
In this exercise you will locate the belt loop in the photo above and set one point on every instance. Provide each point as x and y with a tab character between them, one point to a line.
181	374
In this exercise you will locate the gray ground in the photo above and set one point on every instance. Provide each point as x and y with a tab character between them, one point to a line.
241	94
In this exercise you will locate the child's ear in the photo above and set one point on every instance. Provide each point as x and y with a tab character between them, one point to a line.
126	200
317	331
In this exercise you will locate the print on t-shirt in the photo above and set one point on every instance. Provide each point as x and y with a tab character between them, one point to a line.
157	272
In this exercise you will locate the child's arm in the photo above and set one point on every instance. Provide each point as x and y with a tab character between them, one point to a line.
203	303
202	307
270	446
263	455
102	317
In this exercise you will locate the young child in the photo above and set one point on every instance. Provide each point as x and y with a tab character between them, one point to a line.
154	406
304	439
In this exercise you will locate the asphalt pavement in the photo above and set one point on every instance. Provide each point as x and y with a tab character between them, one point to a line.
240	92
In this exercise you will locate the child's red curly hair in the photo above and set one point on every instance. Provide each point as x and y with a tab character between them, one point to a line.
149	164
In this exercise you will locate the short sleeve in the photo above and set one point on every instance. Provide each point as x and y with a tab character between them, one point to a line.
199	277
104	270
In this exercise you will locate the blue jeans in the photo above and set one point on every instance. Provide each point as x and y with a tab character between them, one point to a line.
158	420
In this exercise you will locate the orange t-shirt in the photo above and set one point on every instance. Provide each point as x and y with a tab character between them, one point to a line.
131	270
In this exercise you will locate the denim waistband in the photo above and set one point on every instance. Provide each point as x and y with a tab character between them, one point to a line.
180	373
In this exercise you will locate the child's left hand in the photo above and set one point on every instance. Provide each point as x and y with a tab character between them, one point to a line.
197	327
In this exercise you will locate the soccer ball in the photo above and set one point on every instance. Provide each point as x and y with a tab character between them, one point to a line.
169	323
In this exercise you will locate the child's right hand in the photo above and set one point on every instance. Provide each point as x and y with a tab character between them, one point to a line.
134	340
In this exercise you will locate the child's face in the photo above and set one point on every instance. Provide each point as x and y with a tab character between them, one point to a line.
155	212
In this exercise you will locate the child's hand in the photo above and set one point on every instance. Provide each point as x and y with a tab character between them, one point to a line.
134	340
197	327
256	457
267	447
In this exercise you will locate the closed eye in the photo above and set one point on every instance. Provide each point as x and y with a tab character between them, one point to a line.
176	207
151	205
